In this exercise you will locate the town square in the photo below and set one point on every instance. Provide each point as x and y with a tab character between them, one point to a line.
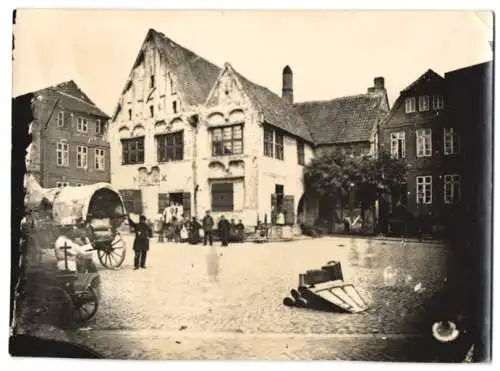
185	206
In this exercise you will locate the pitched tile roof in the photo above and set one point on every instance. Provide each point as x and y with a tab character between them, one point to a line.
345	119
428	75
194	76
74	99
277	111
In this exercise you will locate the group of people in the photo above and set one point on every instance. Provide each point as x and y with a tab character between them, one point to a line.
227	231
175	227
196	232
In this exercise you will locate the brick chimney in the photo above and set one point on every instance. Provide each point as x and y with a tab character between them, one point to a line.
287	90
378	85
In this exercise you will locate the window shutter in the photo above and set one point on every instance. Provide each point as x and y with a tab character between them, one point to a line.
162	202
137	202
289	209
273	208
186	204
132	199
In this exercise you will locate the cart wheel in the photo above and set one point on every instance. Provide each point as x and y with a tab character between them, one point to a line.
86	305
113	255
50	305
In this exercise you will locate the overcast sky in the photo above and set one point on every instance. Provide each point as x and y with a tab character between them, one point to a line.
331	53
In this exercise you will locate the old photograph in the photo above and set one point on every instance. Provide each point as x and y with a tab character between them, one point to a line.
252	185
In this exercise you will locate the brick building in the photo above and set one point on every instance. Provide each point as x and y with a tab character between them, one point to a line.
437	125
416	131
206	137
69	136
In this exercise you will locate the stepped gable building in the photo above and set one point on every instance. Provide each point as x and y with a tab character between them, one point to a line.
205	137
69	136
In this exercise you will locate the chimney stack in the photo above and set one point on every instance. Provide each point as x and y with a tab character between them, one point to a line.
378	85
287	90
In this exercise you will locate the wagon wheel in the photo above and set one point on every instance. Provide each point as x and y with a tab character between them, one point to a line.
113	254
51	305
86	305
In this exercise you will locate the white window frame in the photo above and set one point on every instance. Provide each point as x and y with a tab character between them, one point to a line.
98	126
99	159
410	105
424	142
424	186
82	157
62	184
62	150
423	103
398	138
60	119
82	125
437	102
451	141
450	182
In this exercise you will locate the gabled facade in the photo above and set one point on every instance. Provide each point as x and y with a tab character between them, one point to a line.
69	137
416	131
189	132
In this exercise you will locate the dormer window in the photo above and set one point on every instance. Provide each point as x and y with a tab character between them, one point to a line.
410	105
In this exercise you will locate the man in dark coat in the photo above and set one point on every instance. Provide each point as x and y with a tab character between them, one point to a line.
143	233
194	231
208	226
223	227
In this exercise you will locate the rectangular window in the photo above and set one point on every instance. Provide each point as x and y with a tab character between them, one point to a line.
437	102
170	147
268	142
227	140
424	142
100	127
100	158
398	145
424	189
301	158
451	188
451	141
423	103
133	151
222	197
62	184
151	111
174	106
279	144
410	105
130	115
152	82
82	125
60	119
62	154
81	157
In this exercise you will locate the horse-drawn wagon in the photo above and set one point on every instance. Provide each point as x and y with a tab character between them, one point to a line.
63	228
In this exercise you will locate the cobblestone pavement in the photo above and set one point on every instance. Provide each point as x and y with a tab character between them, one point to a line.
240	315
